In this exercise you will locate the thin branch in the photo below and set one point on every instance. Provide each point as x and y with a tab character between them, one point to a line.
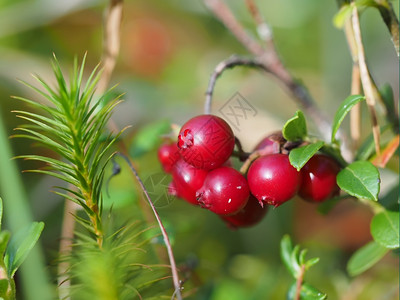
355	113
174	269
263	29
229	63
67	236
367	83
111	42
271	62
299	282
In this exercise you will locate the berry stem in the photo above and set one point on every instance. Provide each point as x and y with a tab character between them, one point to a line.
299	282
241	154
164	233
267	59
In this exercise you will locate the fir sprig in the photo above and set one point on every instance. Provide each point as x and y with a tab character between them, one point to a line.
73	126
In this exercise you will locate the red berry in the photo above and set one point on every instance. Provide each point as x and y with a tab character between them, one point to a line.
168	155
271	143
319	179
225	191
188	180
272	179
172	189
206	141
248	216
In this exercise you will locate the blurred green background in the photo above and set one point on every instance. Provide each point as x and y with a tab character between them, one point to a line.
168	51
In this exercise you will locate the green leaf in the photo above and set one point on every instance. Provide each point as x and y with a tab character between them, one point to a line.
365	258
360	179
286	255
370	3
20	245
307	292
149	137
340	18
342	111
1	212
386	92
311	262
385	229
299	157
295	128
4	238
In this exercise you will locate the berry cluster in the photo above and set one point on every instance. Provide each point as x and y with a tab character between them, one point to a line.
202	174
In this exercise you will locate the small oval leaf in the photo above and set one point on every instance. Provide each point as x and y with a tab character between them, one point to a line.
365	257
307	292
20	245
360	179
385	229
342	111
295	128
300	156
286	255
342	16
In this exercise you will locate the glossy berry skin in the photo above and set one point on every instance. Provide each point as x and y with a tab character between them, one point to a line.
187	180
248	216
172	189
271	143
272	179
319	179
168	155
206	142
225	191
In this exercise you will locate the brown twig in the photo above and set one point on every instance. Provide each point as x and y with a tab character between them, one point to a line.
299	282
111	42
229	63
355	113
270	60
366	80
164	233
67	235
263	29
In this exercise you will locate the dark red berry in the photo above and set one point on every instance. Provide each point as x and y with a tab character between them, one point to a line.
225	191
206	141
248	216
272	179
168	155
272	143
187	180
319	179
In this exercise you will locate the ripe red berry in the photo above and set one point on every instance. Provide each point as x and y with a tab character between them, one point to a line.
187	180
272	179
225	191
319	179
206	141
172	189
271	143
168	155
248	216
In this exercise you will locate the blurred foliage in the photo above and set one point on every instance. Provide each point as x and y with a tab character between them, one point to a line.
169	49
